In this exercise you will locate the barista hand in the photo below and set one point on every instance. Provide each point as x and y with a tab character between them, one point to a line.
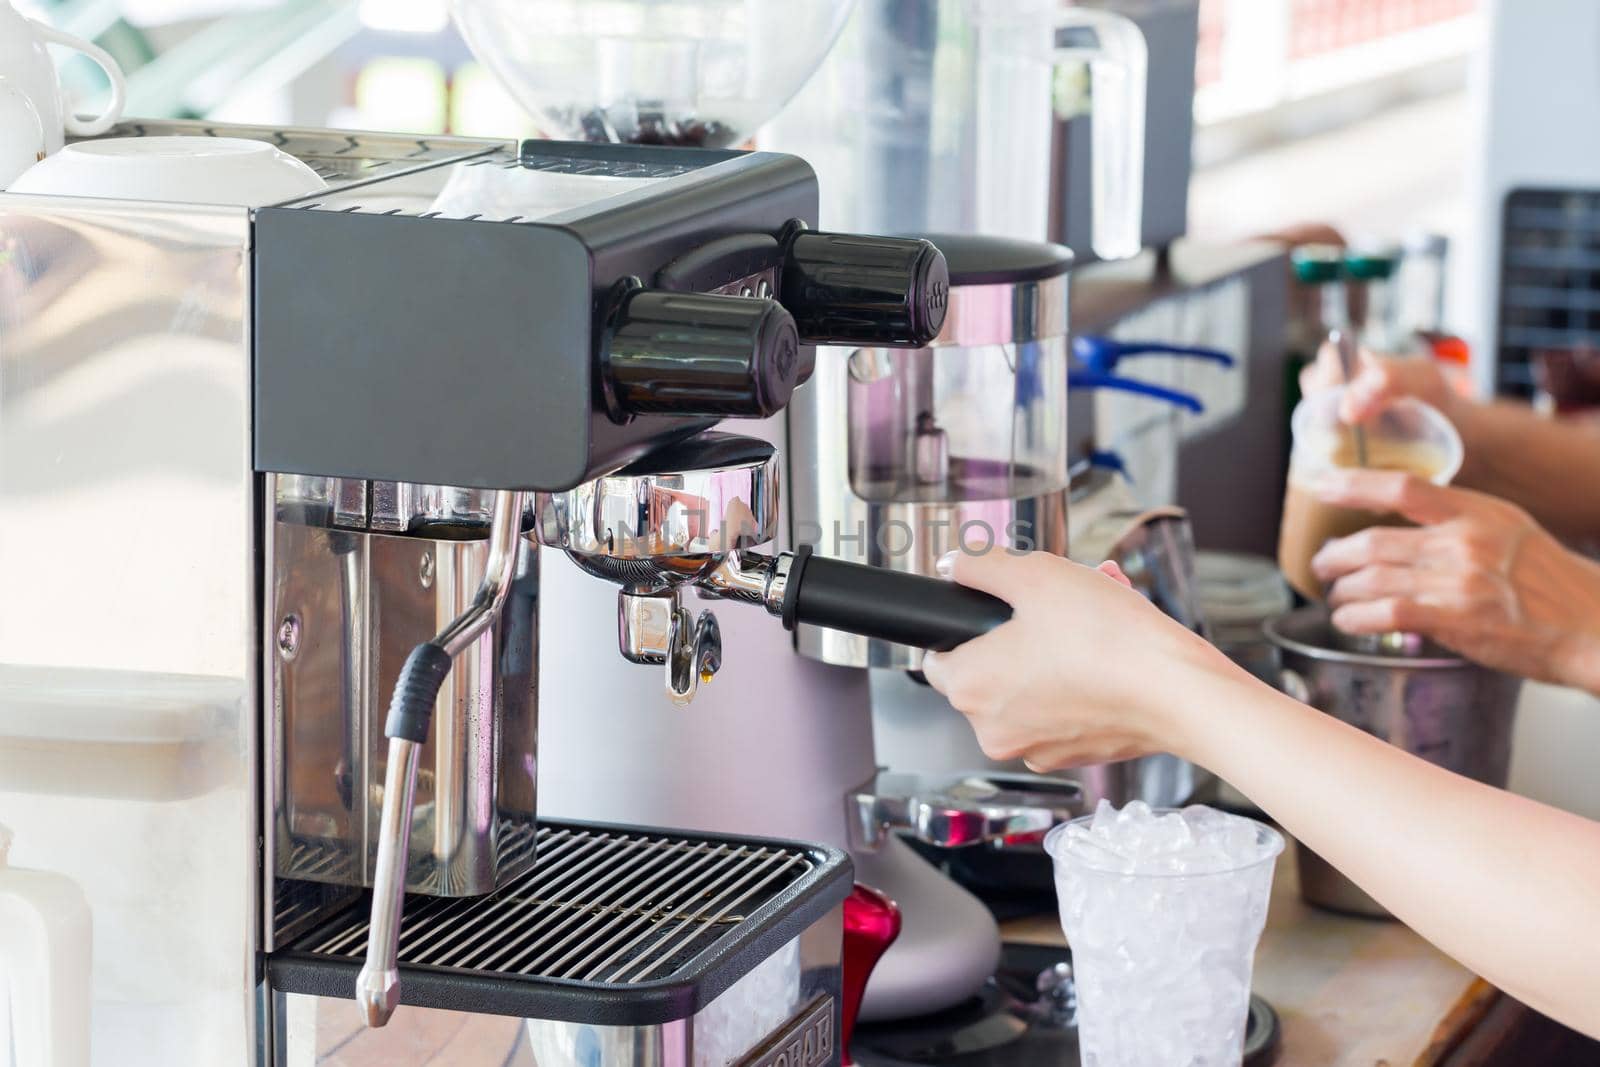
1087	670
1477	575
1380	380
1051	690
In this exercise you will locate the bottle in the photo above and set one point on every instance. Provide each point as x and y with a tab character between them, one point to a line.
1381	329
1327	269
44	967
1421	281
1454	357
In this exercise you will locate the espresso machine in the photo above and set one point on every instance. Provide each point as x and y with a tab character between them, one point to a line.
291	756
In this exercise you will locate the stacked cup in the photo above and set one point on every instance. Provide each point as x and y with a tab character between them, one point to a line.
34	116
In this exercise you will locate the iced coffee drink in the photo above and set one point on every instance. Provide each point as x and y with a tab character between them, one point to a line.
1409	436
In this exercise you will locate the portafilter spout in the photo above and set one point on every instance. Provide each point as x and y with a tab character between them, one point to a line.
410	717
691	515
663	523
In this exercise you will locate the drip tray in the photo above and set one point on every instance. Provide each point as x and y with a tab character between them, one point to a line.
611	926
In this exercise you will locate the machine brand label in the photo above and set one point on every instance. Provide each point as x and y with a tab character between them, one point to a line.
805	1041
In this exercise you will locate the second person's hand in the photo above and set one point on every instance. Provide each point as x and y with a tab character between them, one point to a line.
1476	574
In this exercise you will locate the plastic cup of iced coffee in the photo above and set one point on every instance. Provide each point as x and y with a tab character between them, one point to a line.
1408	436
1162	910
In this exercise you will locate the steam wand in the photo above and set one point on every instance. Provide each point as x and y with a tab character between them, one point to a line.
410	716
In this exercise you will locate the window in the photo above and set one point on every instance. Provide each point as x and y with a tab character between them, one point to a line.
1260	55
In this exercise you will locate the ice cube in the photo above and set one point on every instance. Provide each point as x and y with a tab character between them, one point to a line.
1168	834
1205	820
1105	818
1241	841
1095	851
1133	813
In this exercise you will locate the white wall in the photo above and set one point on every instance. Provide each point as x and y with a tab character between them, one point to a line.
1400	169
1535	93
1556	749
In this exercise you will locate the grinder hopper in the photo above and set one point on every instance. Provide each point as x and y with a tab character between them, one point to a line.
700	73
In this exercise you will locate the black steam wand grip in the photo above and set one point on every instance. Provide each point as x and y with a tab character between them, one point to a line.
908	609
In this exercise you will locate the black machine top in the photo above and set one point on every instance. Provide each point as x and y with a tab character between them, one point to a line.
974	259
533	320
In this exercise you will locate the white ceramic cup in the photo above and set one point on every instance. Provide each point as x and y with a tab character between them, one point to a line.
34	116
21	134
191	170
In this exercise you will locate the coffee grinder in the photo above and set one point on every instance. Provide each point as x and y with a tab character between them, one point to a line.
950	119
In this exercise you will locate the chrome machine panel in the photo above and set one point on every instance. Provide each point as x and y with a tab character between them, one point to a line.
127	644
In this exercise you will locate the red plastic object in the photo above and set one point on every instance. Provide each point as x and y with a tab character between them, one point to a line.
1447	348
871	923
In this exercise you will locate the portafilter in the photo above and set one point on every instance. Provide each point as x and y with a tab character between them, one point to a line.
690	515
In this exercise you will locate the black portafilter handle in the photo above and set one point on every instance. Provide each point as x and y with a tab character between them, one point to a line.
852	289
885	605
699	354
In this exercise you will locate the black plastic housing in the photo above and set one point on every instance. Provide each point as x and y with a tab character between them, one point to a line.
699	354
850	289
467	352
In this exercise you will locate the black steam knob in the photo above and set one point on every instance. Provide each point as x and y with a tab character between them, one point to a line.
847	289
674	353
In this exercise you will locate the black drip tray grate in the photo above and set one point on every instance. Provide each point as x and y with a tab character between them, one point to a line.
675	918
597	907
333	862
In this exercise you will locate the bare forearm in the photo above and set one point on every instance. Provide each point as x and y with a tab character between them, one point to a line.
1509	887
1551	467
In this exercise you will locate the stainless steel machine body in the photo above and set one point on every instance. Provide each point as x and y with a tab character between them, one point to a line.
343	606
311	435
128	340
129	690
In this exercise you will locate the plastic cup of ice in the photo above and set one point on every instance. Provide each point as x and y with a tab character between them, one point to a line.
1163	909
